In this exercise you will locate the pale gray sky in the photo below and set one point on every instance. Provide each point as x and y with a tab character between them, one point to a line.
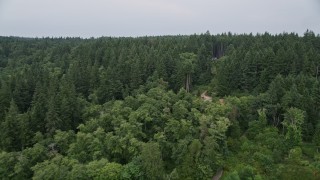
87	18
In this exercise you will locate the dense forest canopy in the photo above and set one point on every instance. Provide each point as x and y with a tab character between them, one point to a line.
130	108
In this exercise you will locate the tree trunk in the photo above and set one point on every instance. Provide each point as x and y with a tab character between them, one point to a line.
188	82
317	72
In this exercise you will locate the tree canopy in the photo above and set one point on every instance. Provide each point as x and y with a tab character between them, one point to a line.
130	108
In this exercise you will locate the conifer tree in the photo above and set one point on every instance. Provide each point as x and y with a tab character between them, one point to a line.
9	133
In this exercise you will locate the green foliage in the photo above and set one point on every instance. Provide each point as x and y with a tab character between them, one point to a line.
189	168
79	171
63	139
111	171
5	97
187	68
87	146
129	108
7	163
10	136
316	137
56	168
152	161
133	170
292	121
29	158
94	168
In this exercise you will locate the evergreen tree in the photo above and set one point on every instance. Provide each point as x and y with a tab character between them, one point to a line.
69	111
39	109
52	119
316	137
188	65
10	135
5	96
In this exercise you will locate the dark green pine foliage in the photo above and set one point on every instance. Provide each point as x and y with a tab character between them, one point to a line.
52	119
110	86
25	130
316	137
23	92
203	66
316	95
135	73
315	108
39	108
79	70
10	139
69	108
272	101
250	71
5	96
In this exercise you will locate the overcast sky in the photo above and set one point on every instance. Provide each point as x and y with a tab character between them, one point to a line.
95	18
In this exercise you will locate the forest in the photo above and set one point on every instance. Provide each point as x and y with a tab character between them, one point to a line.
131	108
